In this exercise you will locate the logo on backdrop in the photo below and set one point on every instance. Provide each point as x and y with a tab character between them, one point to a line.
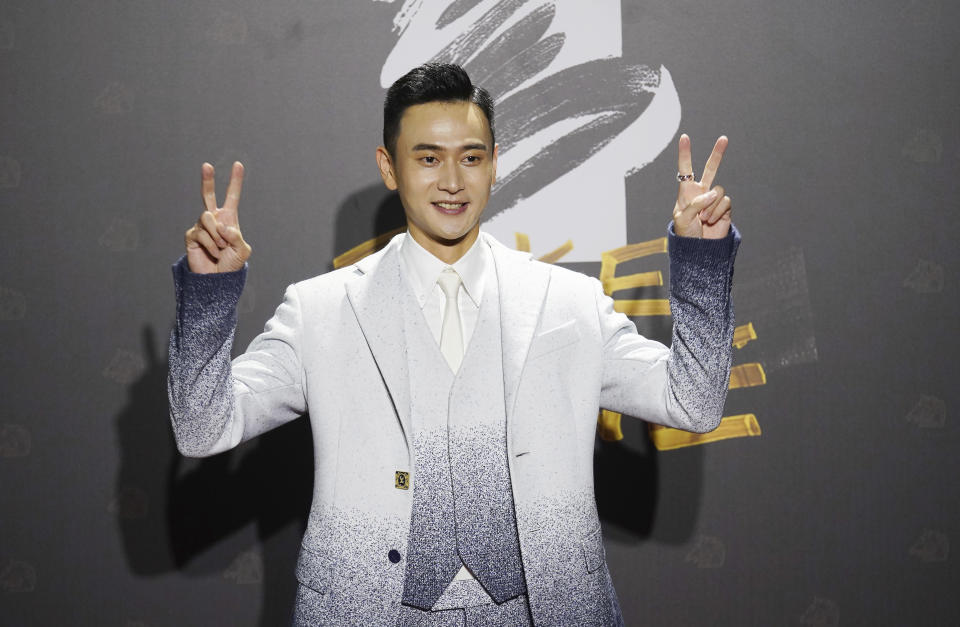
573	120
573	117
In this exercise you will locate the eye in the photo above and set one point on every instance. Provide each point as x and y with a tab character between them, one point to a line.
429	160
473	159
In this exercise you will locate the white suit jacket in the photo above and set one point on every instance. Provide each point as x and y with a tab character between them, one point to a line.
334	350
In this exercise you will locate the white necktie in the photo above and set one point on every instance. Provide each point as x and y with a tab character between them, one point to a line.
451	336
451	342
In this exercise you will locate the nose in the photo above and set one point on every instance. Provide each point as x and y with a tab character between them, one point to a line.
451	178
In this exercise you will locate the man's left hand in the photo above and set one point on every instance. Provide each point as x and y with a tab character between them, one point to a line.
701	211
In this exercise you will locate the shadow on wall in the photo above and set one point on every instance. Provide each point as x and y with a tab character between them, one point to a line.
371	211
646	495
178	515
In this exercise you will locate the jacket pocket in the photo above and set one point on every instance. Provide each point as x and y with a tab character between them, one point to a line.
593	552
314	570
554	339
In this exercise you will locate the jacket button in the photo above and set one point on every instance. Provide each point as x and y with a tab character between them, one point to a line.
394	555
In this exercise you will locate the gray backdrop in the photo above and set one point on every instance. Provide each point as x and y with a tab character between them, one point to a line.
843	170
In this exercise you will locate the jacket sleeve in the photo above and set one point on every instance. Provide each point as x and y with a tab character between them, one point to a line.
216	404
685	386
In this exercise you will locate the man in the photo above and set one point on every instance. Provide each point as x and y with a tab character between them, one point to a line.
452	384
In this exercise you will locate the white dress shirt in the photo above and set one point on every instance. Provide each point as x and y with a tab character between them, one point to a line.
422	269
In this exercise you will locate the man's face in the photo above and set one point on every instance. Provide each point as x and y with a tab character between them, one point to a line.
443	168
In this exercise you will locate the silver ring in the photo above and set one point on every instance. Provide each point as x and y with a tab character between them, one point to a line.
684	177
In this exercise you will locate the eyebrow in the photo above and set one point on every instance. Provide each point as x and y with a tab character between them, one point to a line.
436	148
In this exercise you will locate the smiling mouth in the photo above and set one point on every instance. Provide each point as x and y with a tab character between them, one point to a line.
451	208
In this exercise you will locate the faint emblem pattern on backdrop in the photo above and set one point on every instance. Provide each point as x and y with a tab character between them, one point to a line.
130	502
707	552
7	36
17	576
115	99
229	28
931	546
9	172
15	441
925	278
573	117
125	367
13	304
930	412
821	612
246	568
923	146
121	235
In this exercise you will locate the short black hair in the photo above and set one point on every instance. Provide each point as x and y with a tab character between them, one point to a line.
431	82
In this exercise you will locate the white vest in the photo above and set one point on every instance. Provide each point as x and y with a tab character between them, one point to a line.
463	509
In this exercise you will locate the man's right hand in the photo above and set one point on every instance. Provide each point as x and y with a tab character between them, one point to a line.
214	243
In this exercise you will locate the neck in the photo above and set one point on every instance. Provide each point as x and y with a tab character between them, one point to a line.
447	251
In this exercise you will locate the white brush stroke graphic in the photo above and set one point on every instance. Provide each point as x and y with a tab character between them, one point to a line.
561	44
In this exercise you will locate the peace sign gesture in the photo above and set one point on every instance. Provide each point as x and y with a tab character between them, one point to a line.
701	211
214	243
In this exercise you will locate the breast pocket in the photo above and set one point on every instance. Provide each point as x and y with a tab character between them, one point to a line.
554	339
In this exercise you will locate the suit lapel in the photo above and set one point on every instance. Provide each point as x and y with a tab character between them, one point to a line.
377	301
523	287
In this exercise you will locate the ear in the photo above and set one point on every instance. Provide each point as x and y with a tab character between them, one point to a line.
386	168
496	150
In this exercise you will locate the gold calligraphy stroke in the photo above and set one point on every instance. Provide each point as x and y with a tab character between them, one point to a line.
741	376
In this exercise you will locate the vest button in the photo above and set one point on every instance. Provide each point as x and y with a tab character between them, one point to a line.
394	555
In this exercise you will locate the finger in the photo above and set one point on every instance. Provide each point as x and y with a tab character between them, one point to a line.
722	208
208	187
209	224
710	170
233	193
707	211
204	239
231	234
698	204
199	237
684	161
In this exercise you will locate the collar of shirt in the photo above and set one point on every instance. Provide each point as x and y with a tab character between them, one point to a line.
424	269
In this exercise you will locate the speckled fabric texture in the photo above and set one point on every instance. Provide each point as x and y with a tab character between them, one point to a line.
513	613
703	322
335	349
203	335
462	500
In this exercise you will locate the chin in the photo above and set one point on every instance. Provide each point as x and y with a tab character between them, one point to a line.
451	235
450	238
